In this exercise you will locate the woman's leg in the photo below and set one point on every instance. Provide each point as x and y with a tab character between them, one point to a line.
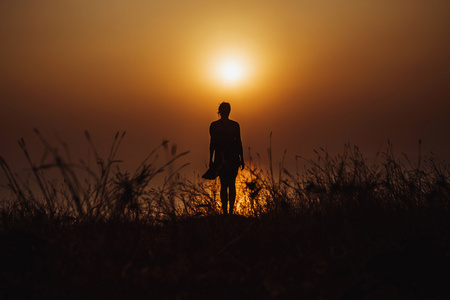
224	195
232	194
228	188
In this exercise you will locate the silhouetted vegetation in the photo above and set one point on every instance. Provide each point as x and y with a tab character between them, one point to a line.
333	227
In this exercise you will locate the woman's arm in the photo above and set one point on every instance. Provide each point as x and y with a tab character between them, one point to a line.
240	149
211	146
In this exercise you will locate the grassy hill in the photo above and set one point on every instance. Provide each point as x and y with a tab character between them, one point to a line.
335	228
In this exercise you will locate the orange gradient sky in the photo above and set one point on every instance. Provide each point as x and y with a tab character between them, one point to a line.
315	73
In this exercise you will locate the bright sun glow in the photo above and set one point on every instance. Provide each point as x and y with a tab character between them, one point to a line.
231	70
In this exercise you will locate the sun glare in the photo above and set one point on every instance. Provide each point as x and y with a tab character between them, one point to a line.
231	70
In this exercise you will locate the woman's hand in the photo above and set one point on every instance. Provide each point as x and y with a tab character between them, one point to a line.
241	163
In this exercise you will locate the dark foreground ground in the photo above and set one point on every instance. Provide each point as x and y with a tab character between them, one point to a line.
366	254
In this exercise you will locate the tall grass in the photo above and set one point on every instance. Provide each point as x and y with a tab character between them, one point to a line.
348	179
83	192
105	192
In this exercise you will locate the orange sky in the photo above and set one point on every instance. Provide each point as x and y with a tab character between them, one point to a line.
320	73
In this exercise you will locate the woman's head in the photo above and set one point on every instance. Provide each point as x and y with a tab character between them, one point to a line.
224	109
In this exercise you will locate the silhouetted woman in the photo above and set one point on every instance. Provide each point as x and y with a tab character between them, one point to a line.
226	148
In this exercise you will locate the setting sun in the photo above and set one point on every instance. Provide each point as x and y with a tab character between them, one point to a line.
231	70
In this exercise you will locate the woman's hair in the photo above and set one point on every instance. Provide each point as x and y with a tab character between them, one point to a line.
224	109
